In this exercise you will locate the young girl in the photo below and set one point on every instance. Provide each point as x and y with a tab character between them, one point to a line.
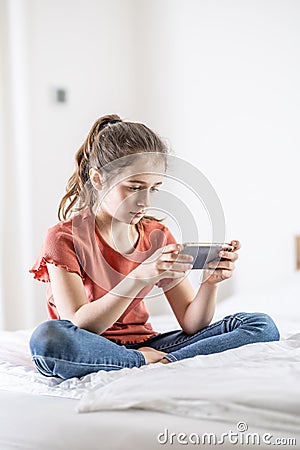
100	264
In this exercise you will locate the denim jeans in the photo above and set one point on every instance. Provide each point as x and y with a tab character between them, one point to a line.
61	349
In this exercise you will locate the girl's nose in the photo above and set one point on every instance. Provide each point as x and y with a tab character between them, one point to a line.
143	198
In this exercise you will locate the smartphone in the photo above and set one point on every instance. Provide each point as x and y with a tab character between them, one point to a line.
204	252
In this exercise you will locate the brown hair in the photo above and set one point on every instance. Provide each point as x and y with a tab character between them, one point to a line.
108	142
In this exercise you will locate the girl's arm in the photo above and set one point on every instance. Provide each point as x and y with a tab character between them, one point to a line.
72	303
195	312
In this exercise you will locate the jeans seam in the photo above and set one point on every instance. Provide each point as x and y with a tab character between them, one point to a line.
188	338
242	319
212	326
40	363
170	357
48	358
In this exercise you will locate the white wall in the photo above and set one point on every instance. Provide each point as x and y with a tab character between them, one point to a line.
85	48
17	301
219	79
224	86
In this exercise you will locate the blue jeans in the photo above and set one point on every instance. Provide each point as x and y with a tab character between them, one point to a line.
61	349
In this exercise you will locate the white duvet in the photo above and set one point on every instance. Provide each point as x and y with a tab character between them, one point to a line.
257	383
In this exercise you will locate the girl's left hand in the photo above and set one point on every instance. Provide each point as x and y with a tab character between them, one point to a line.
223	269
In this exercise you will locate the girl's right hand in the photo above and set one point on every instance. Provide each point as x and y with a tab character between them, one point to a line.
165	262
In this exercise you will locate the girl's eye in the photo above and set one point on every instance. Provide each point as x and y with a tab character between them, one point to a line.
137	188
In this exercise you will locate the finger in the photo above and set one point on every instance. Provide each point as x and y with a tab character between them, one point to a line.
167	249
172	248
227	265
176	257
228	255
169	274
174	266
236	245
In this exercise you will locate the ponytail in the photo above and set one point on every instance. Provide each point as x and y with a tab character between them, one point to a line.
80	177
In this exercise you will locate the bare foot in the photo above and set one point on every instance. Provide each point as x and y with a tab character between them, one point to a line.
151	355
164	361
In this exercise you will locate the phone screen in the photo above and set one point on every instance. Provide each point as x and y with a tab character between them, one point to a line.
204	253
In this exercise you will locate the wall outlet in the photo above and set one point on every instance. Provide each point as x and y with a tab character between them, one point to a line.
297	242
60	95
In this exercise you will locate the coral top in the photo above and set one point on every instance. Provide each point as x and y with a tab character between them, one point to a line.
78	246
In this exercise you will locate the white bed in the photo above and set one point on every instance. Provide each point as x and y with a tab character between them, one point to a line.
255	387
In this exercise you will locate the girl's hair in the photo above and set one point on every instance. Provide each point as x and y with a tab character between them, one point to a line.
108	142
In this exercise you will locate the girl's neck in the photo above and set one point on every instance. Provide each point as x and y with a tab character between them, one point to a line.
121	236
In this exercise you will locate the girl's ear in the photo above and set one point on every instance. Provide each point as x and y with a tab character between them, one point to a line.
95	178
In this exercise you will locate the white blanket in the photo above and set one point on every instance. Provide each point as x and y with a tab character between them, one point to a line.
257	383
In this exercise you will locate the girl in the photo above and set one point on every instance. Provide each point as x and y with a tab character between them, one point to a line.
100	264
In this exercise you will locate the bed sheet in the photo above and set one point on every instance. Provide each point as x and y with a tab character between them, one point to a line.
35	422
38	412
246	380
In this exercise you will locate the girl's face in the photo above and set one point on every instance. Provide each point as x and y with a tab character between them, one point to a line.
131	192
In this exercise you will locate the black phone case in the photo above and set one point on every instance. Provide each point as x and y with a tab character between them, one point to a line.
203	255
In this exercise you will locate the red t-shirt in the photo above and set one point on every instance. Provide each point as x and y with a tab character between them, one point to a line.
78	246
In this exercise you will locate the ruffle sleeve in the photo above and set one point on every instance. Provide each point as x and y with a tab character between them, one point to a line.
58	249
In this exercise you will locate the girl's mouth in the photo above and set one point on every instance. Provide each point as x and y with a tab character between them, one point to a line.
137	214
